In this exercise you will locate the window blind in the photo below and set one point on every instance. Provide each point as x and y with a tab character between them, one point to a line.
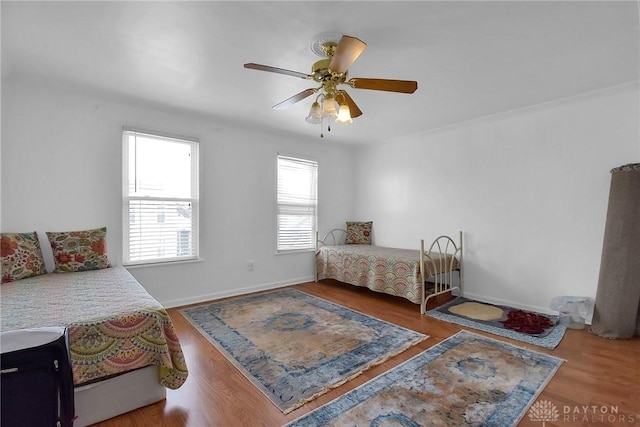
297	200
160	198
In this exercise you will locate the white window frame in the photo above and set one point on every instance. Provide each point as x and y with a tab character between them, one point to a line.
193	200
300	208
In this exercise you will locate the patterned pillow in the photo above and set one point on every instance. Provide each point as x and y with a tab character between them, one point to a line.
359	233
21	256
79	250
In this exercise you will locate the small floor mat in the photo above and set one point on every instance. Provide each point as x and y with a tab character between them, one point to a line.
495	319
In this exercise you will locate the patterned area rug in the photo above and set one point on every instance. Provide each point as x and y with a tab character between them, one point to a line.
495	319
468	379
294	346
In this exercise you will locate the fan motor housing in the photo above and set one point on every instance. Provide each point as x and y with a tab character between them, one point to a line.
320	71
321	67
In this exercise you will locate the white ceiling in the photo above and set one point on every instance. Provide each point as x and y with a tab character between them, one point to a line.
471	59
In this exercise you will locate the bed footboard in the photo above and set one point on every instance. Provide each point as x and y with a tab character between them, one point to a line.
440	262
337	236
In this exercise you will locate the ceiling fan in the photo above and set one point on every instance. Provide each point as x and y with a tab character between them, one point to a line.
330	73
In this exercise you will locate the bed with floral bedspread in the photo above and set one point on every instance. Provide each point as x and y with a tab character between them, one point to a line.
394	271
114	324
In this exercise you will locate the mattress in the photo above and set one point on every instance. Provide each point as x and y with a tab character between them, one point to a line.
115	325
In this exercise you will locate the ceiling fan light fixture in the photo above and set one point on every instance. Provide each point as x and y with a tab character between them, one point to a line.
344	115
338	53
315	114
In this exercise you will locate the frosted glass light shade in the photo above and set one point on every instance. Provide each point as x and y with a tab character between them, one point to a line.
329	107
344	115
315	114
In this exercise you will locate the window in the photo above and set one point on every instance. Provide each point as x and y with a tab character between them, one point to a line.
297	200
160	200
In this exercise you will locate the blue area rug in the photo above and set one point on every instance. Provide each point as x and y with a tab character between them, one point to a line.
294	346
548	339
466	380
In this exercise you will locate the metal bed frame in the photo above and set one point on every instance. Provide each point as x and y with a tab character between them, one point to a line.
443	281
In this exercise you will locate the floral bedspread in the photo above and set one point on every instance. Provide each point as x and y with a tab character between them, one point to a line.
390	270
114	324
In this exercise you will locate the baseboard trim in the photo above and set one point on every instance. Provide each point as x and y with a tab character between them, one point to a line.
231	293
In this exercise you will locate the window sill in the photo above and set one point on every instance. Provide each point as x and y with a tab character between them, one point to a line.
295	251
163	264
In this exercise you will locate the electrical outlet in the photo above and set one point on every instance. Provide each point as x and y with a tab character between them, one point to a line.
250	265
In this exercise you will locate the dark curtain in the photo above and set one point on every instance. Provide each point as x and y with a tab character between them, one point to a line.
617	307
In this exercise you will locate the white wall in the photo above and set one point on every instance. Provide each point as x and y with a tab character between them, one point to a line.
528	188
61	170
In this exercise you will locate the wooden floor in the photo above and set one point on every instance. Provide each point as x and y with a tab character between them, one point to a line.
599	385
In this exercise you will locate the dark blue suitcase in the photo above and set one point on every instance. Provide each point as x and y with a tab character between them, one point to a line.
36	378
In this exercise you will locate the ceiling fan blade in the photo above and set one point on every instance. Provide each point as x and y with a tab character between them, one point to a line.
353	108
402	86
347	51
295	98
277	70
